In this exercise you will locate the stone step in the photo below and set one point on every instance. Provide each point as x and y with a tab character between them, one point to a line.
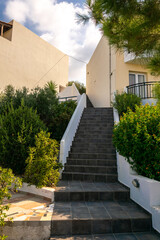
90	169
95	124
102	137
95	128
106	117
88	144
100	134
73	218
89	177
94	138
115	236
94	121
98	109
107	156
91	149
86	191
91	162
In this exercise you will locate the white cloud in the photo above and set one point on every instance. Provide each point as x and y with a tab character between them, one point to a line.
57	24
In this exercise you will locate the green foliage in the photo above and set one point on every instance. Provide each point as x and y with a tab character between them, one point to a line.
80	86
7	182
131	25
54	115
18	128
59	121
156	92
42	167
123	101
137	137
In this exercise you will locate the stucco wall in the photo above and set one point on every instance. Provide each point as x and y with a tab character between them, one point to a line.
123	69
98	74
97	79
29	61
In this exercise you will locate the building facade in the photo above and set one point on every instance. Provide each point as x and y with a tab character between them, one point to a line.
109	70
27	60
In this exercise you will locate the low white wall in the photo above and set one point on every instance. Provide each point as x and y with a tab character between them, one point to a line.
71	129
150	101
46	192
148	193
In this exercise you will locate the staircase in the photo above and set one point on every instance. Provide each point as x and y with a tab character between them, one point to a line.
89	200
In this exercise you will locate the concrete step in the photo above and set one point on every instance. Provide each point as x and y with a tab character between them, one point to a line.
105	138
95	136
73	218
89	144
91	149
87	191
90	169
89	177
106	156
91	162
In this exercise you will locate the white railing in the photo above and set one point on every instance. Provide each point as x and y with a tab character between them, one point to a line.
69	134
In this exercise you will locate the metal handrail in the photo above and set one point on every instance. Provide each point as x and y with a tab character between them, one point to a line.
143	90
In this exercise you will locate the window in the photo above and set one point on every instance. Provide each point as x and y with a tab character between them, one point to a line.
136	81
135	78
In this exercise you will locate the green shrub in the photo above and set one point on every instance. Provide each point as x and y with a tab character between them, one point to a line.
18	128
42	166
137	137
80	86
60	119
7	182
156	92
55	115
123	101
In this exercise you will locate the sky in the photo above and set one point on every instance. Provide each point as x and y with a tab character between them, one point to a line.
55	21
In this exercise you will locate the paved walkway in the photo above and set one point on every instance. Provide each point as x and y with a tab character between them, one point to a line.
27	207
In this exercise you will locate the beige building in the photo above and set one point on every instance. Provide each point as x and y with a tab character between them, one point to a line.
27	60
109	70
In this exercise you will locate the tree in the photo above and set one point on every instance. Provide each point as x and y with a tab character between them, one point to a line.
132	25
80	86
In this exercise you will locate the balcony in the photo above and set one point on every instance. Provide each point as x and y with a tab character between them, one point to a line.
143	90
133	59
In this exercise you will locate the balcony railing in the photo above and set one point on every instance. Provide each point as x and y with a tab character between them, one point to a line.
143	90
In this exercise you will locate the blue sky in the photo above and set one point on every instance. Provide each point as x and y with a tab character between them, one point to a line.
55	22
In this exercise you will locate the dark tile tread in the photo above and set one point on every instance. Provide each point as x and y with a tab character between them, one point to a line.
90	201
117	236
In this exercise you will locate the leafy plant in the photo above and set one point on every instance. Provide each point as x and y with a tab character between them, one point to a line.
137	137
7	182
18	128
80	86
123	101
156	92
54	115
42	167
60	119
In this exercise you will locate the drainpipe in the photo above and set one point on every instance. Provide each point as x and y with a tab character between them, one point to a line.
110	72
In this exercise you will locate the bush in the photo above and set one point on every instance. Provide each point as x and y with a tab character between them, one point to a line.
137	137
7	182
42	167
55	115
18	128
123	101
60	119
156	92
80	86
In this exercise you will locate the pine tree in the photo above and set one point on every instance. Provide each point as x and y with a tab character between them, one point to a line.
132	25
